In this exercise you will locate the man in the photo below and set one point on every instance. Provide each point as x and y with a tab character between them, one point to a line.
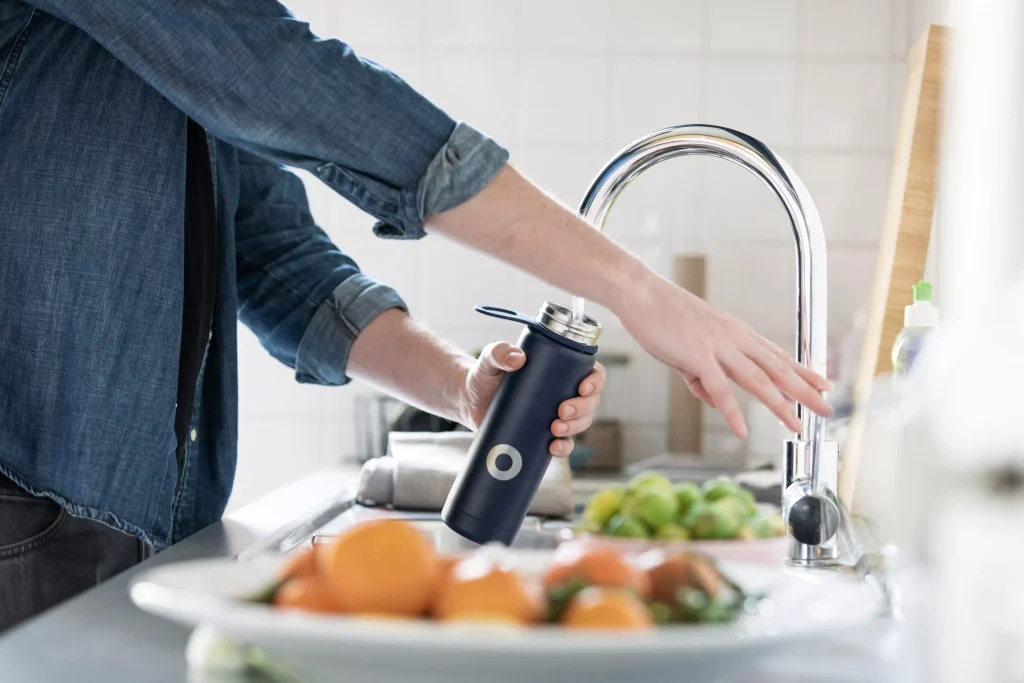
144	205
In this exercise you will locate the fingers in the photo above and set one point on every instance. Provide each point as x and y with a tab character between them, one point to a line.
594	382
796	381
716	384
577	414
697	389
748	375
501	357
579	406
806	374
571	427
792	384
561	447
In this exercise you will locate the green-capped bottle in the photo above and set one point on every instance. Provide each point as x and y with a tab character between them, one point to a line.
918	320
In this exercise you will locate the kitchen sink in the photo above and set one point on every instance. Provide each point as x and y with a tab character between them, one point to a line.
535	534
324	525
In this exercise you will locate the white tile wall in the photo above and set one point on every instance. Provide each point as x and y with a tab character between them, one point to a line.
656	27
843	105
633	79
765	27
900	29
485	90
739	208
849	218
753	96
566	83
474	25
841	27
578	27
564	98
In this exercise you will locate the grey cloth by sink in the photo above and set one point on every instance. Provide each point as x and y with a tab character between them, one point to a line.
420	469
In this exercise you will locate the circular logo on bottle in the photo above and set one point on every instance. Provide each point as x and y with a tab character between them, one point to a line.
514	468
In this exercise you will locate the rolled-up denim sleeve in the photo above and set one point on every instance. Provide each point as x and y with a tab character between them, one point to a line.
255	76
466	163
304	299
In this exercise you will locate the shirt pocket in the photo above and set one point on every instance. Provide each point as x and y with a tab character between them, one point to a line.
10	57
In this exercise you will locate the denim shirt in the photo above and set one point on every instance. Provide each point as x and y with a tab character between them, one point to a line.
94	100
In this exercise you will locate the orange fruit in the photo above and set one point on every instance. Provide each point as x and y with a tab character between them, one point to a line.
481	590
382	566
302	563
307	593
445	565
607	608
595	564
483	618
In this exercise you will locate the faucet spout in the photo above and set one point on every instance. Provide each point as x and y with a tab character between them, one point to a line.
803	462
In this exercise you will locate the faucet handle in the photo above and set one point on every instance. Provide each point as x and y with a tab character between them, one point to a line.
810	507
813	519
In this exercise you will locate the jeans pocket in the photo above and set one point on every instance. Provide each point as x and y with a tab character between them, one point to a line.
26	523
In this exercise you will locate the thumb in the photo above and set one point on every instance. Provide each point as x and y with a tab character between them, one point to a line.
501	357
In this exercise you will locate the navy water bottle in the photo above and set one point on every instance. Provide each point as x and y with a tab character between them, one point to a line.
509	456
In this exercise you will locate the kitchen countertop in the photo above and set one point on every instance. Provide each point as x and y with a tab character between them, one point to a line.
101	637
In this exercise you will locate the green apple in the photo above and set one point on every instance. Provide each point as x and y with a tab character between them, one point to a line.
604	505
626	526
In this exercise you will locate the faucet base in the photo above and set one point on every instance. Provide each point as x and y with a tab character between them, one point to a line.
809	504
803	555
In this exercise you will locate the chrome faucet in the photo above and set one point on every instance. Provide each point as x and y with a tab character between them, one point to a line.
810	465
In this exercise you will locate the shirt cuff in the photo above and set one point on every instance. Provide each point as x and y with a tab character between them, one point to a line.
463	166
325	346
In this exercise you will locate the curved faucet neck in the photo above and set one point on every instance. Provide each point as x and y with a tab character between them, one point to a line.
731	145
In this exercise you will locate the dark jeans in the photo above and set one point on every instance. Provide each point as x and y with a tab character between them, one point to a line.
48	556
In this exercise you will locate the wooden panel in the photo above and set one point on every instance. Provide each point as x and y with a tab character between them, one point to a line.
903	245
685	409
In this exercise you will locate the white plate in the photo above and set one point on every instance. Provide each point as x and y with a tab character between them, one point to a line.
804	608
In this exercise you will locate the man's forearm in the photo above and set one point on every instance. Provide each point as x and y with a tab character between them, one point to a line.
401	357
516	222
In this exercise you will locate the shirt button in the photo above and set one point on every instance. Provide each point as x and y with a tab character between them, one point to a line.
193	435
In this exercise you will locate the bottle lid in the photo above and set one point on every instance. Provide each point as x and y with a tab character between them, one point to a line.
922	313
560	320
922	291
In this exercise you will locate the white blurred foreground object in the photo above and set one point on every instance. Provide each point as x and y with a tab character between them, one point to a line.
958	506
216	657
959	495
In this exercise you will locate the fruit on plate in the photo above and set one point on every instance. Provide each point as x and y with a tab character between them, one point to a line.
594	564
604	505
381	566
647	480
302	563
607	609
626	526
481	589
768	524
726	489
445	565
670	571
650	507
720	519
387	569
688	587
687	493
307	593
